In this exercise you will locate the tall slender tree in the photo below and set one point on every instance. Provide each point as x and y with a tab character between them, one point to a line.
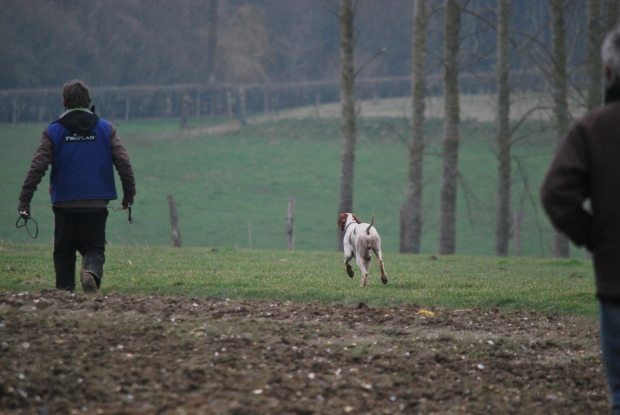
451	133
413	203
613	8
212	39
593	54
347	98
502	229
561	247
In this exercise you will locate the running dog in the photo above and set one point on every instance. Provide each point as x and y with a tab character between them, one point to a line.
359	240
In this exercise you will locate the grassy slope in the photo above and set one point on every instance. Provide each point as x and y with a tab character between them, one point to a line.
546	285
225	184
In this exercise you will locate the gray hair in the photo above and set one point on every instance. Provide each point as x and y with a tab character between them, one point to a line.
75	94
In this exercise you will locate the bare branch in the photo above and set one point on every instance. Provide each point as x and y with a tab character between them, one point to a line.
525	116
372	58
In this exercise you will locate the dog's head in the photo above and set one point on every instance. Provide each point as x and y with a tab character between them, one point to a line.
344	219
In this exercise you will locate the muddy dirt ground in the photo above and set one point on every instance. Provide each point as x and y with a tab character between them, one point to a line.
63	353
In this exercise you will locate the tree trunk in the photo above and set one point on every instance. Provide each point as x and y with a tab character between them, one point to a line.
593	55
502	230
613	7
413	204
347	92
451	138
212	40
560	247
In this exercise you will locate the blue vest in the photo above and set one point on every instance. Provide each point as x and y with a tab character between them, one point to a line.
82	167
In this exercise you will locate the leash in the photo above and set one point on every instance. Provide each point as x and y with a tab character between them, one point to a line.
129	218
26	217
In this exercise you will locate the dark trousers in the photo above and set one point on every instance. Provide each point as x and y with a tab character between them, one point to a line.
81	230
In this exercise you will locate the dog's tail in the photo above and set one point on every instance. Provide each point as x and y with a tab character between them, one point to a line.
371	223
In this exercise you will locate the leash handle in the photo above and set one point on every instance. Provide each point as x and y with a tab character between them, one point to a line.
26	217
128	208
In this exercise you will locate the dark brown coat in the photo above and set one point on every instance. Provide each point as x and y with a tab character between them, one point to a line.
587	166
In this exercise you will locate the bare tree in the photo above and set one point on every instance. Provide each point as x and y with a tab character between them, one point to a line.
561	248
593	58
613	7
413	203
244	47
211	40
451	134
502	229
347	98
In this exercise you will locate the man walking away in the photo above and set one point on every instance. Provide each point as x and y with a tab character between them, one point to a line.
586	167
83	150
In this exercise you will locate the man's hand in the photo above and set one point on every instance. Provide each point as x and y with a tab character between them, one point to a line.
24	211
127	203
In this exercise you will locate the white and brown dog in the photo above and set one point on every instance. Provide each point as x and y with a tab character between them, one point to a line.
359	240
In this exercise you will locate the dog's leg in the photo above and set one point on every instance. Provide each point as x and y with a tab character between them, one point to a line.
348	255
350	271
367	259
377	248
360	263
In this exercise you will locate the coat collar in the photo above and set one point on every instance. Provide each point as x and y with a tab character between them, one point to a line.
612	93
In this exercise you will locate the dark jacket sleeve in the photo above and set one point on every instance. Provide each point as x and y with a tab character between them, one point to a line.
40	162
120	158
566	188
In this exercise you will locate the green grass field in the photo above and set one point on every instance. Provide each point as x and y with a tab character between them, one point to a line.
457	282
230	184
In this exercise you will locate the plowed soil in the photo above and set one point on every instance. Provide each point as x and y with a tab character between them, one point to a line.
63	353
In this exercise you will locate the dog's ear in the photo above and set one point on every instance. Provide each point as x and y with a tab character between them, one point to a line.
341	221
355	218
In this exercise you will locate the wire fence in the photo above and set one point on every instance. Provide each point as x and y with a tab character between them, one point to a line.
213	100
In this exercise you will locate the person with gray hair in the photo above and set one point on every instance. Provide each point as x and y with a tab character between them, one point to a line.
586	168
83	151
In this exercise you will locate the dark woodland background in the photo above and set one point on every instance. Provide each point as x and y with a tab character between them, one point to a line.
166	42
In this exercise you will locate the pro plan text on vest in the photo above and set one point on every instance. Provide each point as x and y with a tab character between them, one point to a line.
81	138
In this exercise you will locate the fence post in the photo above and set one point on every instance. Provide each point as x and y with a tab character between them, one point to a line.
290	224
198	104
168	105
174	219
242	114
185	103
41	110
14	110
317	103
127	109
229	104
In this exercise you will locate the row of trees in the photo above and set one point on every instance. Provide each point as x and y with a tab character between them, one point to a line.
167	42
546	44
